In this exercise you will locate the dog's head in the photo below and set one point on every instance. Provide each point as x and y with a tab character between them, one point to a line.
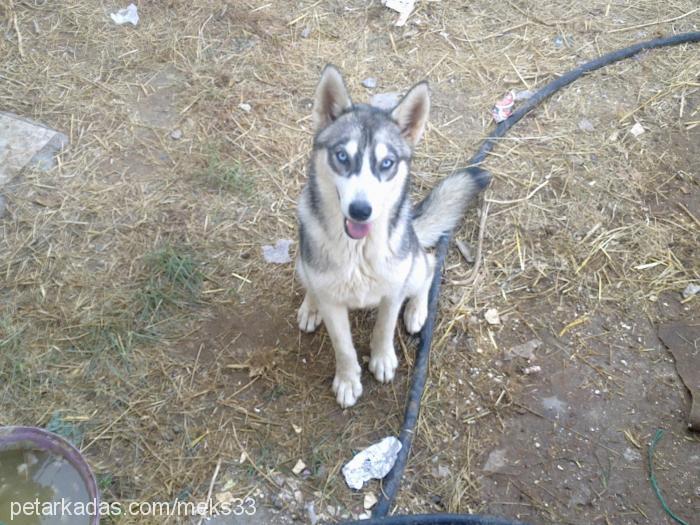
363	151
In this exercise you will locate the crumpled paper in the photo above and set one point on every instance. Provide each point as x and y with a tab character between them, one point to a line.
126	15
374	462
279	253
403	7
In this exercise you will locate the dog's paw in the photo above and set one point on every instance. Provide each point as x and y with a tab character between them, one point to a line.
383	365
347	388
414	315
308	316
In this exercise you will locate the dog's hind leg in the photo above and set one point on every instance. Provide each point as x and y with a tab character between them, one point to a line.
383	361
346	384
308	315
416	310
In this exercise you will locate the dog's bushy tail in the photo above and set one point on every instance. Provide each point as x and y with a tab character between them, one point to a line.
445	205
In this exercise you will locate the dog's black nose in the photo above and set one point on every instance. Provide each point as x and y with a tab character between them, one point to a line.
360	210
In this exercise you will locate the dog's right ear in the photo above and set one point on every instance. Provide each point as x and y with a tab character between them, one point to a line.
331	98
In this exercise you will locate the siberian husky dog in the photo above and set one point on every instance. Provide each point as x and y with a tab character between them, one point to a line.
362	243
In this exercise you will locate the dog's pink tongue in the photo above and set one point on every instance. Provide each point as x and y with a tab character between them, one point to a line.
358	230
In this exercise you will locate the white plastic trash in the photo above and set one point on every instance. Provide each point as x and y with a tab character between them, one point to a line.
374	462
127	15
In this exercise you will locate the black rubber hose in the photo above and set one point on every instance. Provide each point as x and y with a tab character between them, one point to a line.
436	519
391	482
576	73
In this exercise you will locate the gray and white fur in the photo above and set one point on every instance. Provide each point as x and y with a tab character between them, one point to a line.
362	244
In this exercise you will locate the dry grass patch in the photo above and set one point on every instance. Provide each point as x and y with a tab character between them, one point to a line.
134	294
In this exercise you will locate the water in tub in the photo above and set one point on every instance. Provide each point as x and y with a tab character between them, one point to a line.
33	484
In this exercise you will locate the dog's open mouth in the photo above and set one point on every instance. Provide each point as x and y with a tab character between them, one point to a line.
357	230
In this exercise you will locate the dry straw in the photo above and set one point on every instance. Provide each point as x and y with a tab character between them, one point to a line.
136	304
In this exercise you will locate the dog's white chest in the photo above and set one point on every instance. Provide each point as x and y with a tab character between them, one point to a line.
363	275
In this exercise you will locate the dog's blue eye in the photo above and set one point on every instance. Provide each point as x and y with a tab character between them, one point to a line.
342	156
387	163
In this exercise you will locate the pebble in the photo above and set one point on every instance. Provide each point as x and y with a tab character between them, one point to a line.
492	317
532	370
637	129
311	511
526	350
299	497
370	82
176	134
690	290
586	125
299	467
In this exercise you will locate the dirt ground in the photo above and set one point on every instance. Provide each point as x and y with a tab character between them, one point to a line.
139	318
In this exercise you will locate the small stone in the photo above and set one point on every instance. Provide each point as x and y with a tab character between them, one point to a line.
631	455
306	32
496	460
586	125
299	467
369	501
370	82
525	350
385	101
492	316
176	134
311	511
637	129
561	41
531	370
277	502
297	429
441	471
278	479
245	107
299	497
690	290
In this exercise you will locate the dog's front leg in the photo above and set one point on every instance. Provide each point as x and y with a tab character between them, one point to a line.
383	361
346	384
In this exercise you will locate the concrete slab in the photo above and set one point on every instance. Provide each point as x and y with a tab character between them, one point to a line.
24	142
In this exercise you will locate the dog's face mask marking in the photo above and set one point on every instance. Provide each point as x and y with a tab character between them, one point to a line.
364	151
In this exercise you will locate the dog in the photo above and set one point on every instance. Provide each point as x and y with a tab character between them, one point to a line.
361	242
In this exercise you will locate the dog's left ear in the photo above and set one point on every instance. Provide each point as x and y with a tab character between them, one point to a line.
411	114
331	98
